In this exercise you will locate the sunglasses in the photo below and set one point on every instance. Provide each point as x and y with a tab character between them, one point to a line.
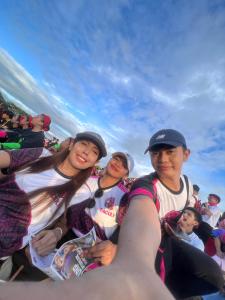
98	194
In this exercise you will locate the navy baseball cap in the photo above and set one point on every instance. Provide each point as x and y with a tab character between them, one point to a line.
169	137
95	138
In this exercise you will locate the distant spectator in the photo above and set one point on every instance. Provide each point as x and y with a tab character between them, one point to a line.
196	190
189	220
15	121
5	122
34	137
221	222
211	212
24	122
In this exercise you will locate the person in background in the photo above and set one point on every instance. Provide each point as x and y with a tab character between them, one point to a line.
34	137
189	220
6	122
24	121
211	212
196	190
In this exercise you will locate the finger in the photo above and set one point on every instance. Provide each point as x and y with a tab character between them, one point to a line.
44	249
39	236
44	244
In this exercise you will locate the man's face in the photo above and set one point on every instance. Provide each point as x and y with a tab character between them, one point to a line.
38	120
187	221
167	161
212	199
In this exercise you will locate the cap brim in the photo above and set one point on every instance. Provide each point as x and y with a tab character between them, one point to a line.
98	143
168	143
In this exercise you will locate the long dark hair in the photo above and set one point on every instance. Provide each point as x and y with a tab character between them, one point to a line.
65	191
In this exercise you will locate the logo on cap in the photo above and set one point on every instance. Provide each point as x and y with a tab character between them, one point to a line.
161	136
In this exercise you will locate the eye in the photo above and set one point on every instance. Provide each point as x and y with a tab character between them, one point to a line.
154	153
96	152
171	151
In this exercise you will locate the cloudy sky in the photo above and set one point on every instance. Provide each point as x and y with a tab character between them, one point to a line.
125	69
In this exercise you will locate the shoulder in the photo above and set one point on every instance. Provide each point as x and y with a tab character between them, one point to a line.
145	186
122	187
145	182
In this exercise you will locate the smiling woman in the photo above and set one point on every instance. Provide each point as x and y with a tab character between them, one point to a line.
42	187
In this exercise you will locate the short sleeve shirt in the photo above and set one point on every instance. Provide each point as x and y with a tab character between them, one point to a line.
165	199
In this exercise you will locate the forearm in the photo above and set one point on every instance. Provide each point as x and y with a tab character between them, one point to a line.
217	244
143	240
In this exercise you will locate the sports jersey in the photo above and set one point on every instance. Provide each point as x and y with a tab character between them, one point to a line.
165	199
22	217
105	216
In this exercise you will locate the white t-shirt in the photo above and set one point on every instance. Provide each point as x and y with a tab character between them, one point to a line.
22	217
105	216
212	221
165	199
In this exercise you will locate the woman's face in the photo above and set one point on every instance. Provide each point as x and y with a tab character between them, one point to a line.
83	154
116	167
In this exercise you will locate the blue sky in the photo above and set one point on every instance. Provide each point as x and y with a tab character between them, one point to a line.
124	69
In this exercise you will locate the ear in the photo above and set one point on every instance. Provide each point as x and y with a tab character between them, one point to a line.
187	153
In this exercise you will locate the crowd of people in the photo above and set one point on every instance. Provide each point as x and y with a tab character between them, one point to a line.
27	131
147	228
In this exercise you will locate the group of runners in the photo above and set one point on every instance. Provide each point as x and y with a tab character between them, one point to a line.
146	245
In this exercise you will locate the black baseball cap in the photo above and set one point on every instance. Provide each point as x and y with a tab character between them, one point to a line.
168	137
95	138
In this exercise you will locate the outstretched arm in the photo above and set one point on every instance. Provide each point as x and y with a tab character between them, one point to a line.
131	276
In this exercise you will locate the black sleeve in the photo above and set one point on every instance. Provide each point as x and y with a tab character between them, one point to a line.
33	141
193	272
23	156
